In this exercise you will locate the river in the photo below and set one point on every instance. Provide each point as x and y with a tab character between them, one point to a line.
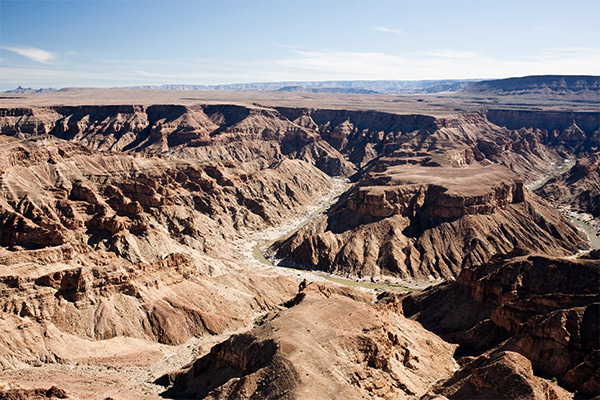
578	219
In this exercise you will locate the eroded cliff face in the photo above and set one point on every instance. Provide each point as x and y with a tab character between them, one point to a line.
575	130
327	342
53	192
361	135
65	312
227	133
437	198
502	376
525	141
428	222
116	225
546	309
98	245
448	193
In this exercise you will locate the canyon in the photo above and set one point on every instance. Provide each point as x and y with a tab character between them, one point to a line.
122	275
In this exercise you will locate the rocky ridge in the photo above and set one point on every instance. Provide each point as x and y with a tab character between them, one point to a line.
542	86
396	222
102	245
545	309
326	342
210	133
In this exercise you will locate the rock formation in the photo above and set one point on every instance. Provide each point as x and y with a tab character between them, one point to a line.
100	245
502	375
427	222
119	249
211	133
545	309
580	87
33	394
328	342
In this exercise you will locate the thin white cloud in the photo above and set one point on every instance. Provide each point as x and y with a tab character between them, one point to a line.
565	52
33	53
303	66
397	32
437	65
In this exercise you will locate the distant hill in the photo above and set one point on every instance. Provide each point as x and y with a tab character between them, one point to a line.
360	87
20	89
583	87
567	87
303	89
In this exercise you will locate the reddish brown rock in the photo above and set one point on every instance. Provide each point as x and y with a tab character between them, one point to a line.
33	394
440	192
502	375
544	308
428	222
329	342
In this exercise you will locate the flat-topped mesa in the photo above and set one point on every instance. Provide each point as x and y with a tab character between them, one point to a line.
446	193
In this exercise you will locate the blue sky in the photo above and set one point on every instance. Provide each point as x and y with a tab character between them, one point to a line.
116	43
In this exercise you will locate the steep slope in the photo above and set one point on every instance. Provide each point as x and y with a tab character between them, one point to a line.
569	132
116	231
54	193
329	343
544	308
227	133
525	141
430	200
427	222
504	375
97	245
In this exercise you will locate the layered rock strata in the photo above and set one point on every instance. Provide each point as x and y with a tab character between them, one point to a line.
427	222
97	245
546	309
327	342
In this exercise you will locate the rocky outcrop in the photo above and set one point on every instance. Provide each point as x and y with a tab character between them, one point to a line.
500	375
446	193
427	222
116	231
97	245
114	202
362	135
433	185
576	131
327	342
167	302
33	394
262	135
545	309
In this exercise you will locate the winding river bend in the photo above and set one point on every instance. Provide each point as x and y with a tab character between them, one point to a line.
320	207
578	219
255	246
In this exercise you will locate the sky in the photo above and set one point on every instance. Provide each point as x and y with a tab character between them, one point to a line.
90	43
